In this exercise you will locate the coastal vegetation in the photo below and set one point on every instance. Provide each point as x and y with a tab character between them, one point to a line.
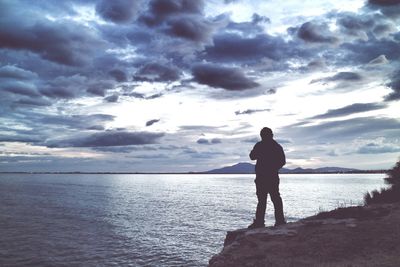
387	195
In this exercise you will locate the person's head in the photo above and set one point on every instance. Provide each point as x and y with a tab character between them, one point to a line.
266	133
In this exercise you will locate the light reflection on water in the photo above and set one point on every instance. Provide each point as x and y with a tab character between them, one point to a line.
147	220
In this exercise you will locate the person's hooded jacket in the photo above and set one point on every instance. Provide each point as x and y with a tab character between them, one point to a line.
269	155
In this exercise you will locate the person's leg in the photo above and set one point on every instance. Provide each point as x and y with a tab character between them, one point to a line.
261	193
277	201
261	207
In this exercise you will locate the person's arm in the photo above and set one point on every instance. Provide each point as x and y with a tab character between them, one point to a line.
282	158
254	153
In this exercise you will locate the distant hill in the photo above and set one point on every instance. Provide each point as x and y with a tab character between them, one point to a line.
244	167
320	170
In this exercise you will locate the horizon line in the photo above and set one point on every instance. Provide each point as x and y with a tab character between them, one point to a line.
191	172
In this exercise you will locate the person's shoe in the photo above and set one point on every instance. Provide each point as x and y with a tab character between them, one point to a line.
279	223
256	224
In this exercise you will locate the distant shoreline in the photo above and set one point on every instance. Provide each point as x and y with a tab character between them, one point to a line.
155	173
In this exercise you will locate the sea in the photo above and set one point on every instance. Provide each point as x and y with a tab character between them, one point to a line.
148	220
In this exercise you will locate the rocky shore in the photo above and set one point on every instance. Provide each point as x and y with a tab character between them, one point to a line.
353	236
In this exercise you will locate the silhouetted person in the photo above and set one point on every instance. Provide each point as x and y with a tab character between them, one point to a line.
270	158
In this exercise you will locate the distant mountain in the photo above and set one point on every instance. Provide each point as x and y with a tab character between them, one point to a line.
319	170
242	167
245	167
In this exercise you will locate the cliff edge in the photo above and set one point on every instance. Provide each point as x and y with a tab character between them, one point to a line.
353	236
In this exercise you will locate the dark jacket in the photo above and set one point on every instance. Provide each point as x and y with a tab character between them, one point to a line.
269	155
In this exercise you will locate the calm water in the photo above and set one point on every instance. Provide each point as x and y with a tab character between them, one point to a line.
147	220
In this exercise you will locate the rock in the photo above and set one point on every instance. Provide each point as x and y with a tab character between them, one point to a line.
264	233
355	236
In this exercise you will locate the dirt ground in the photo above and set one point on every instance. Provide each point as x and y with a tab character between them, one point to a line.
356	236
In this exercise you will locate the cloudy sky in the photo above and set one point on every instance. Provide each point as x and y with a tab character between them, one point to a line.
186	85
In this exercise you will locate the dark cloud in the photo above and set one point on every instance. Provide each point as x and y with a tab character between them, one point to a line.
18	82
355	26
115	149
107	138
13	72
118	11
180	18
111	98
149	156
19	138
382	30
75	121
394	84
57	92
65	87
19	88
159	10
373	148
375	33
33	102
332	153
151	122
156	72
384	2
99	88
222	77
215	141
193	28
390	8
364	26
203	141
354	23
340	131
362	52
154	96
24	124
144	96
256	18
317	64
118	75
349	110
316	33
67	44
341	77
96	128
171	7
232	47
250	111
